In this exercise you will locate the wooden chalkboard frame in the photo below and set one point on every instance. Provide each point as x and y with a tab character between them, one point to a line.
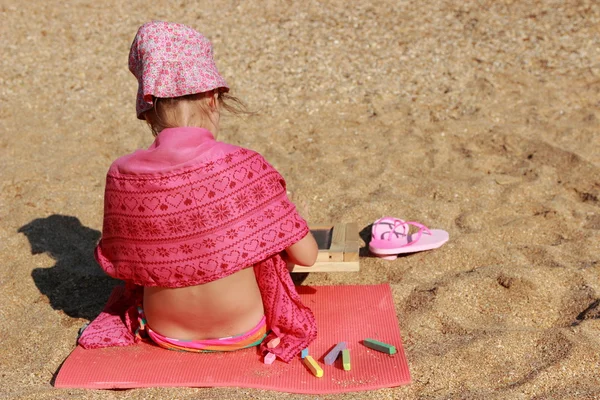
338	248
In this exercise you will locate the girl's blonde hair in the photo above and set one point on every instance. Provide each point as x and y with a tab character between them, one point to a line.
160	116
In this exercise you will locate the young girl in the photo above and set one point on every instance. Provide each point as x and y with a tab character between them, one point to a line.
198	229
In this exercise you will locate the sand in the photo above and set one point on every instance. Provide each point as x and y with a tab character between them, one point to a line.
477	117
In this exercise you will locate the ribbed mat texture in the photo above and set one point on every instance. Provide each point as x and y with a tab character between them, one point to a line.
343	313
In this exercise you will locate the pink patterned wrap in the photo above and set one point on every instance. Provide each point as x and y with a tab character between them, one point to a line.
171	60
190	210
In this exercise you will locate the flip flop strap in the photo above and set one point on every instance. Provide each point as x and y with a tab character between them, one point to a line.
392	221
419	233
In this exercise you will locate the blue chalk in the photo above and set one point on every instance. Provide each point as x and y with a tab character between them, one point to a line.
304	353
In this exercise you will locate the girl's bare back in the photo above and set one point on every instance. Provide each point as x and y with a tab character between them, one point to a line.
225	307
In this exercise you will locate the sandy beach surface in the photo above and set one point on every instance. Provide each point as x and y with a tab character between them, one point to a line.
478	117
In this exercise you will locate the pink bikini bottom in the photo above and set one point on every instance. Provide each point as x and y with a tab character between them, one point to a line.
252	338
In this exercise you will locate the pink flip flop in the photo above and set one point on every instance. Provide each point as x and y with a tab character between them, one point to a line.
390	236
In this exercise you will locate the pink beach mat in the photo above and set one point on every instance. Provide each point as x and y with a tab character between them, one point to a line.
344	314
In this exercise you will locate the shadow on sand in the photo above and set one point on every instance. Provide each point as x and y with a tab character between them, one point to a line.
75	284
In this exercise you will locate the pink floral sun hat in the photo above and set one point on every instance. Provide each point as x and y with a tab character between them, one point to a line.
171	60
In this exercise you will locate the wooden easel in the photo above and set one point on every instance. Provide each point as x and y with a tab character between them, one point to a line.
338	248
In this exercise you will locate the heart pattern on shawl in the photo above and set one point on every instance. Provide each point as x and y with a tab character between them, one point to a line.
198	193
222	184
232	257
174	199
240	174
256	165
186	270
130	202
270	235
251	246
152	203
287	226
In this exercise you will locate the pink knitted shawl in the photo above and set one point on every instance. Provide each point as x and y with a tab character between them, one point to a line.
190	210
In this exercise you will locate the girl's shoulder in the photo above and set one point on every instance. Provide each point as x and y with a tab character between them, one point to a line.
162	162
175	150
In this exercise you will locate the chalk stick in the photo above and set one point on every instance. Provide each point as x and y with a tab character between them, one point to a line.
273	343
269	358
346	359
379	346
304	353
334	353
313	366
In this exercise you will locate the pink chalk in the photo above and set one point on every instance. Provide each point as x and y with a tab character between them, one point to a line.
273	343
270	358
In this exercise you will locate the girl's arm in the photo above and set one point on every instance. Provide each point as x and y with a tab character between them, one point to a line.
303	252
